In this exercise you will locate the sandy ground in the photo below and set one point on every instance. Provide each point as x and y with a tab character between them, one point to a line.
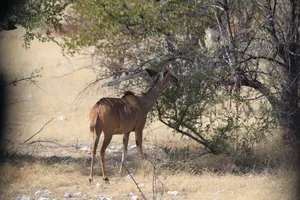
54	96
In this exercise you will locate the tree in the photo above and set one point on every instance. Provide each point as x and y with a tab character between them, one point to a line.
266	32
34	16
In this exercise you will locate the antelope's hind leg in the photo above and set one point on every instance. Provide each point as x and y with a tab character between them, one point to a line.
96	137
106	141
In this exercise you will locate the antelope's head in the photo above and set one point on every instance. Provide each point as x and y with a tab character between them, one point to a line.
164	77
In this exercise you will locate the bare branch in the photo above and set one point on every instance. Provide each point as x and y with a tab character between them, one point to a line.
118	81
14	102
35	74
76	70
200	139
252	57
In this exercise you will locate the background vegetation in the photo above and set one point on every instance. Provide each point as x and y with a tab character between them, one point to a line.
229	55
238	62
238	66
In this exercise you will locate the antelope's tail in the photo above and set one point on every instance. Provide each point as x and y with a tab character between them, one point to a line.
93	119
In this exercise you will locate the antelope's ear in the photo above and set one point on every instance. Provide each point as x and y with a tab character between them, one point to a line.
151	72
166	72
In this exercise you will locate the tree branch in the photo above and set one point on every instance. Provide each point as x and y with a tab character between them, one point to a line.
202	140
35	74
252	57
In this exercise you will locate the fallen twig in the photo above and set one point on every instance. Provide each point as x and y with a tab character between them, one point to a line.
38	131
48	141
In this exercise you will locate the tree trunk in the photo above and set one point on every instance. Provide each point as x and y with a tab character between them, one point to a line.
290	124
285	108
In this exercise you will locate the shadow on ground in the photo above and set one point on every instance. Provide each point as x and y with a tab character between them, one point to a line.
192	160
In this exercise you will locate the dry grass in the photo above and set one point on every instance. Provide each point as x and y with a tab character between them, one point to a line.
178	167
62	178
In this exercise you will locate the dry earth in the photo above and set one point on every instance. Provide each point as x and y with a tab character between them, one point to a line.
60	170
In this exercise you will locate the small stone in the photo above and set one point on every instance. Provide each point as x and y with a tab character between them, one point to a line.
134	197
43	198
85	149
67	195
128	177
78	194
98	185
102	198
131	194
23	197
174	193
38	192
220	190
62	117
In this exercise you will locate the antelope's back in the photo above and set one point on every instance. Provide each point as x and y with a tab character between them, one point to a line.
119	115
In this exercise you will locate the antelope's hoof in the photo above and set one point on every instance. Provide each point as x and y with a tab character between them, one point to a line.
90	179
106	179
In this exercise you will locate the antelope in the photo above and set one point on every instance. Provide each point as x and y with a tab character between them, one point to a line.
123	115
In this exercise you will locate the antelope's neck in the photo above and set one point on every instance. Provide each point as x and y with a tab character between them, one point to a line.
151	96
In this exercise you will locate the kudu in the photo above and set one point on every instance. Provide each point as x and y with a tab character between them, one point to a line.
123	115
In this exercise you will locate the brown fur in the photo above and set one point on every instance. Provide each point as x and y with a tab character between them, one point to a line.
122	116
127	93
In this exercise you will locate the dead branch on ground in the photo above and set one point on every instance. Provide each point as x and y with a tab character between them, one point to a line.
38	131
52	142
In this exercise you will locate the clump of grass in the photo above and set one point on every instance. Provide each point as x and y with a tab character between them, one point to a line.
270	155
27	178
